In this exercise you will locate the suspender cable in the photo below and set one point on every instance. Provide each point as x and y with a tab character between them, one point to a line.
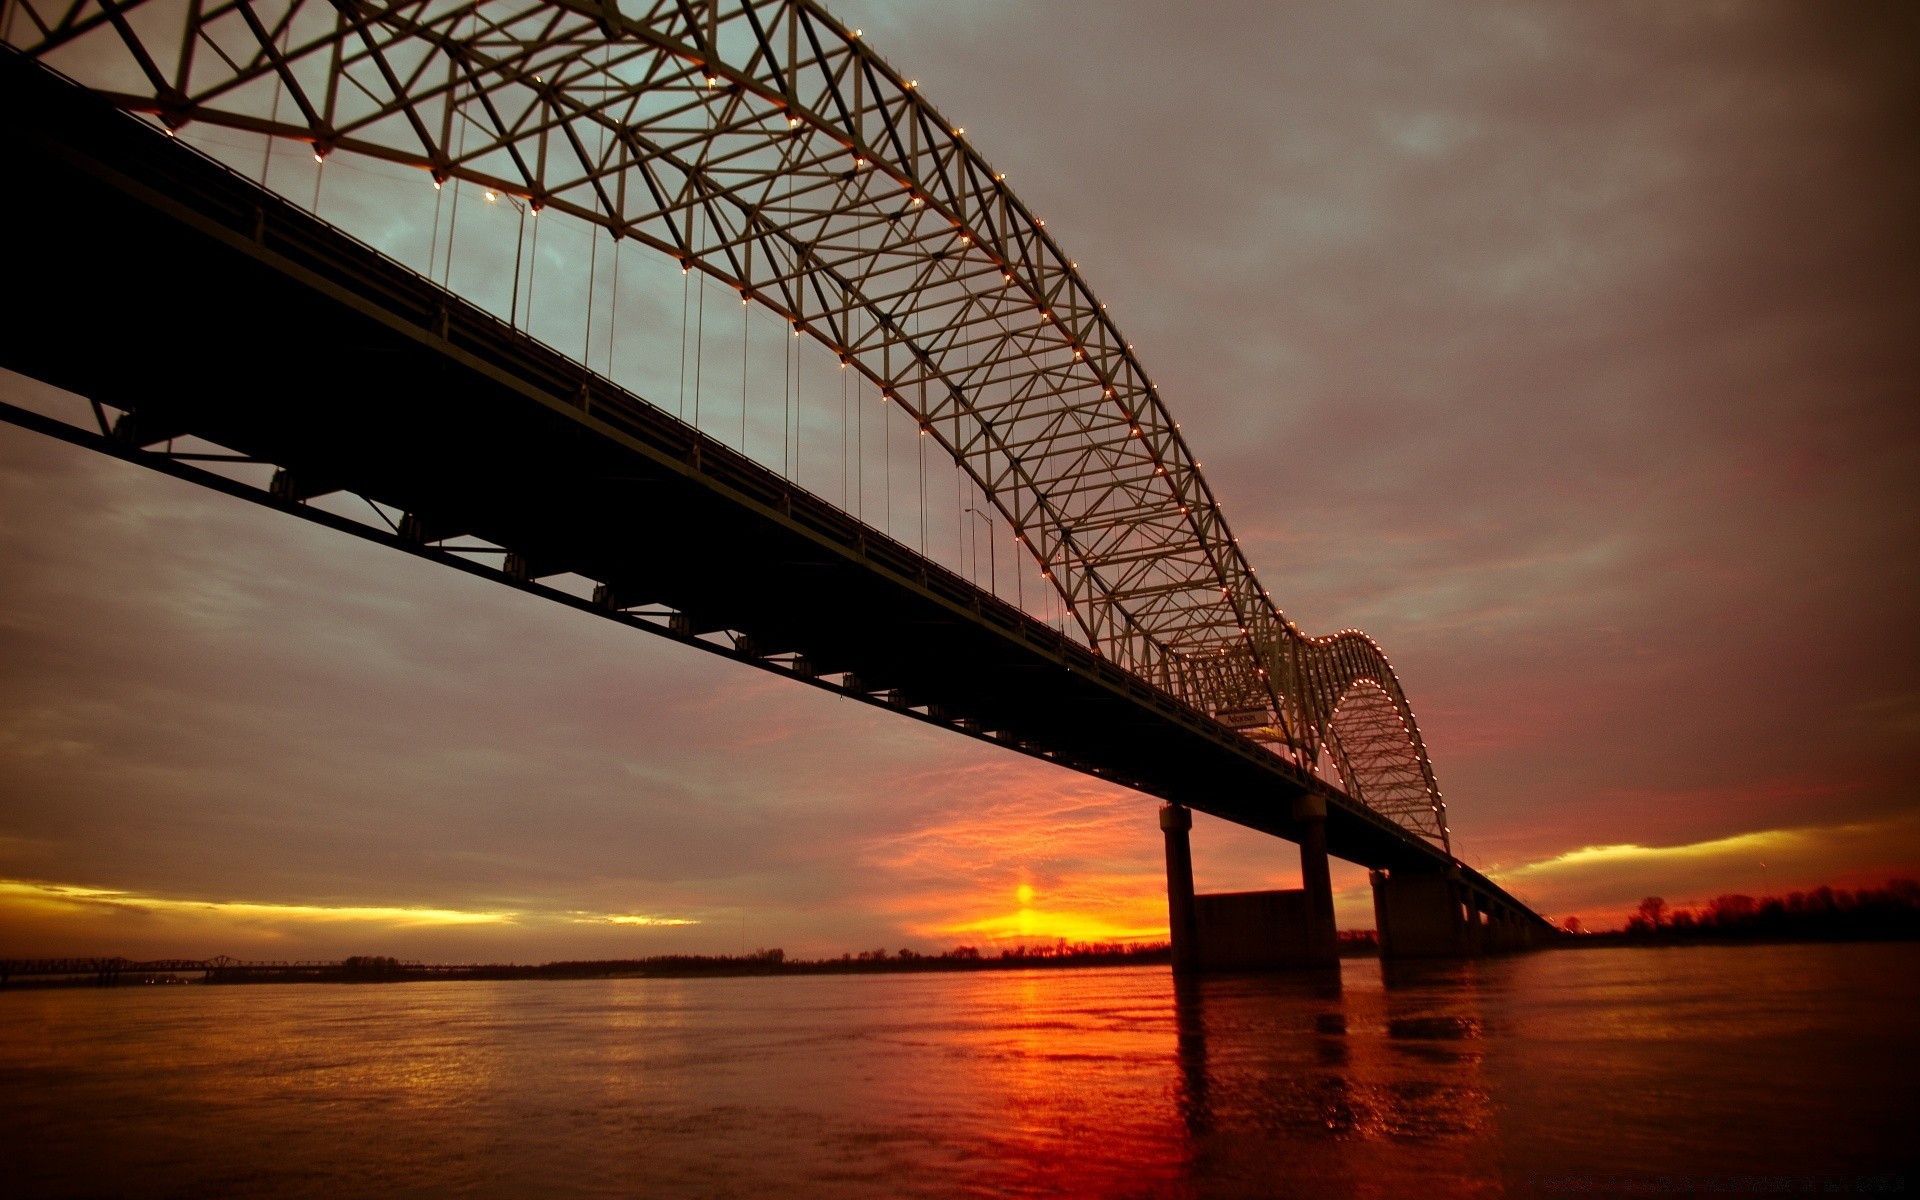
799	417
699	344
846	435
886	459
743	370
533	267
859	452
519	244
921	441
613	308
433	242
786	406
593	261
686	293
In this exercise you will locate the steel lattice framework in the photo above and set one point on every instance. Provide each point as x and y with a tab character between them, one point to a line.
763	143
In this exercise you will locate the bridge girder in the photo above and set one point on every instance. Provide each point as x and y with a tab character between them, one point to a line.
765	144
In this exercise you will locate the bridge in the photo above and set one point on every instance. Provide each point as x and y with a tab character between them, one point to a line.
764	149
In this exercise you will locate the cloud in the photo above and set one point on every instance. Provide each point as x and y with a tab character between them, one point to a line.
1604	882
30	895
1566	349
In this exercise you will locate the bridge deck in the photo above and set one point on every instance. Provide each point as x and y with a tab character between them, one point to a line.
159	283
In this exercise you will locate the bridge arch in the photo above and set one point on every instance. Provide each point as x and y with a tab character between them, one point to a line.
766	145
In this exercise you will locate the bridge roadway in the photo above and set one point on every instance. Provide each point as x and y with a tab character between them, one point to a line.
156	282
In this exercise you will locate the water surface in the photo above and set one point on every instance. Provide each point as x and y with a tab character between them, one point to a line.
1698	1068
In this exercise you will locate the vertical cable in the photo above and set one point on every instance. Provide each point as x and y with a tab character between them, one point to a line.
433	243
846	436
922	441
859	453
686	293
613	308
533	266
593	257
886	459
959	521
744	306
786	406
519	244
799	417
699	345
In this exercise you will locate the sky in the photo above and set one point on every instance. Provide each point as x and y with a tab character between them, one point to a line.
1568	350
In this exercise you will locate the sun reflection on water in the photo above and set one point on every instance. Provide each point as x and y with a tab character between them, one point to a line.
1434	1079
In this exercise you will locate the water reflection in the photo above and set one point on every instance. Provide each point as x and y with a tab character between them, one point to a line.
1440	1079
1292	1085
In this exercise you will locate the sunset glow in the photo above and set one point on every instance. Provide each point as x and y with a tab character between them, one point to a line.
55	897
1638	451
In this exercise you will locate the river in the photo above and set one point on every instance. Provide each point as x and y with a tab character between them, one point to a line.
1688	1070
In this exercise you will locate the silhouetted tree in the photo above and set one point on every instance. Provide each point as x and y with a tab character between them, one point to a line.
1732	909
1653	910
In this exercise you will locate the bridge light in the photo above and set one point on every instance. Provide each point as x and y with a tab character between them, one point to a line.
793	122
491	197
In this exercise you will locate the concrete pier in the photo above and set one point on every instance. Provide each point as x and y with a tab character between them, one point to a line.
1322	941
1175	824
1436	914
1250	931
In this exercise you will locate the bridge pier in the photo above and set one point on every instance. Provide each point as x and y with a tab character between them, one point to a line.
1438	914
1175	824
1251	931
1316	879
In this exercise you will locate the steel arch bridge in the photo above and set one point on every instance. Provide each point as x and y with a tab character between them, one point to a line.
764	144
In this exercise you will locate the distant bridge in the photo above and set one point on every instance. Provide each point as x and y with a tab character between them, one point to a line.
764	146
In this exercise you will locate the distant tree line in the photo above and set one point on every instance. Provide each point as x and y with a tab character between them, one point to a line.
1823	914
1056	953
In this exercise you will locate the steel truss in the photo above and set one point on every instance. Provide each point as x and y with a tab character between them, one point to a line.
763	143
